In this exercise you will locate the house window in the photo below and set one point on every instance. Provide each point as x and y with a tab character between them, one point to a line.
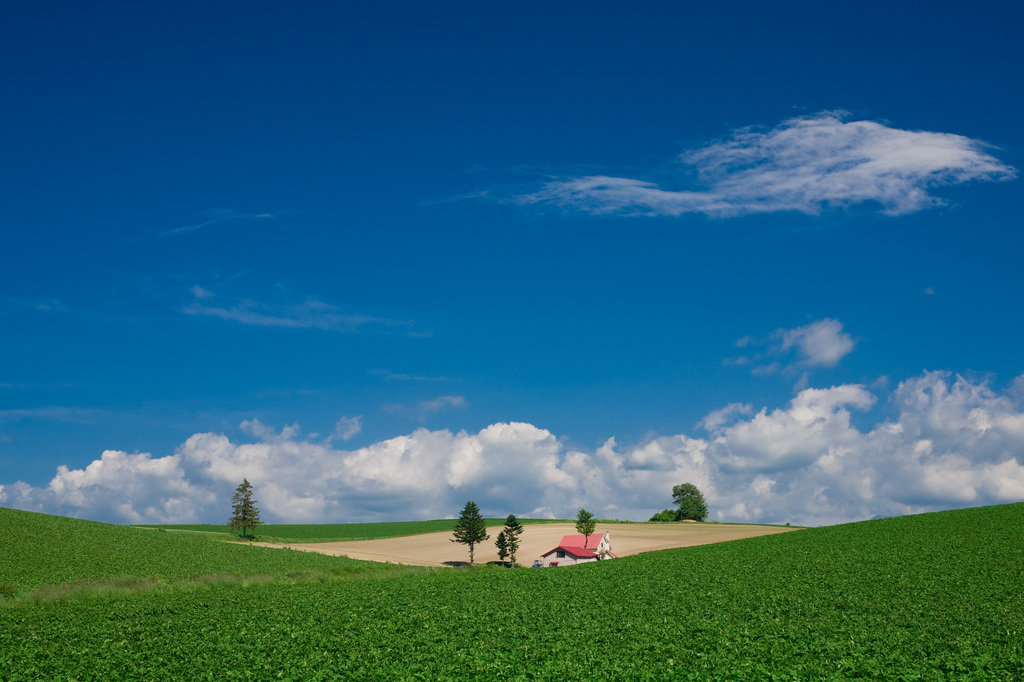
560	554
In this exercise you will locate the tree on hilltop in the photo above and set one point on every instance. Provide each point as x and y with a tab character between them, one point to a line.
470	528
585	524
691	502
246	513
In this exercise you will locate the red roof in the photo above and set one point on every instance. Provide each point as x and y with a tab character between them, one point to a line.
592	541
577	552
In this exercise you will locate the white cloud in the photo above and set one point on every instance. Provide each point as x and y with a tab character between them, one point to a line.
310	313
399	376
949	441
130	488
820	344
426	408
54	413
815	423
348	427
717	418
219	216
805	164
443	402
255	428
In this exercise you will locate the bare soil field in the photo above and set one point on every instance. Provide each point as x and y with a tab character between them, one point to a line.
437	549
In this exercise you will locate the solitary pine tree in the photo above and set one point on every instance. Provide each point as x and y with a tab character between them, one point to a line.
513	529
691	502
246	513
470	528
585	524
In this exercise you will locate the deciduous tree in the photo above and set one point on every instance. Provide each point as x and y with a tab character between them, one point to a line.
470	528
246	513
585	524
691	502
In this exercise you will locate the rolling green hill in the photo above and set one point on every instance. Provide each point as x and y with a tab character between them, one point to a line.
39	550
929	597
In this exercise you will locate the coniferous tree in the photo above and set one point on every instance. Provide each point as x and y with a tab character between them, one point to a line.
470	528
502	544
513	529
246	513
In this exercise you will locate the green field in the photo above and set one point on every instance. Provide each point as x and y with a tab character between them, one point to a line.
38	550
338	532
930	597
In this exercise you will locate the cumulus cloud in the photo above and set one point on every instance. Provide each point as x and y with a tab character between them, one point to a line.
118	486
718	417
805	164
948	441
819	344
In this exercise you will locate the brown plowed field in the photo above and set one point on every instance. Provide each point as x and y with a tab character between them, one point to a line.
437	549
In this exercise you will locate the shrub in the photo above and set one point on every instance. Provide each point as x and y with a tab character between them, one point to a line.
666	515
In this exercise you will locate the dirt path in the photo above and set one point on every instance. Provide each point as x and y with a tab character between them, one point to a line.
436	549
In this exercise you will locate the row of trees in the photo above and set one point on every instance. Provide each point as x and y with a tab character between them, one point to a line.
471	530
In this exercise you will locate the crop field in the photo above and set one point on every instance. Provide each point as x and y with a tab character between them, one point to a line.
339	532
38	550
929	597
436	549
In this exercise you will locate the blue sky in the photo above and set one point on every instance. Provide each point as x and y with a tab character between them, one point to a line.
383	260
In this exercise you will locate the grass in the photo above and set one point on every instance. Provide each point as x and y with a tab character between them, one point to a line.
337	532
928	597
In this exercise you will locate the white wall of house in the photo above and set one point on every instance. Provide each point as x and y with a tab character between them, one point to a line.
566	560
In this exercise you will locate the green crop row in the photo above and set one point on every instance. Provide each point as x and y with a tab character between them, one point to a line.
930	597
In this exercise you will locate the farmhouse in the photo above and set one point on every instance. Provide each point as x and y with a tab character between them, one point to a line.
579	549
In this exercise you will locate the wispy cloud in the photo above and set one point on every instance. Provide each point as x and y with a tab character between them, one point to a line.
52	413
806	164
40	303
310	313
400	376
216	217
420	411
443	402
